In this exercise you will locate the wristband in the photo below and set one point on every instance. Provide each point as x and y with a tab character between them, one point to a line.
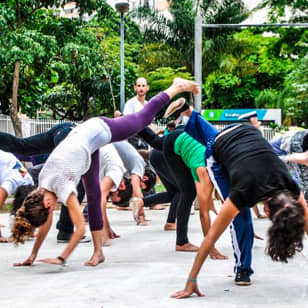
62	260
192	279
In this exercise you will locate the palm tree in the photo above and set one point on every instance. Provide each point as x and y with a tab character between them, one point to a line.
176	29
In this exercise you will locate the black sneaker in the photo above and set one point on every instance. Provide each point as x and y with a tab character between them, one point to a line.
63	237
242	278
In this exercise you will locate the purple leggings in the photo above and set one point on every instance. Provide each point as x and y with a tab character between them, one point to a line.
129	125
121	128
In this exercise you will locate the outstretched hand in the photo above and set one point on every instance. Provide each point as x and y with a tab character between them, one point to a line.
27	262
190	288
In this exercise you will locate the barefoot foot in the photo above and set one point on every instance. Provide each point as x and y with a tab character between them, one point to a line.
96	259
106	241
185	85
169	226
216	255
188	247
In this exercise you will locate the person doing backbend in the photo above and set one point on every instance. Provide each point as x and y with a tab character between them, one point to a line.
255	174
59	178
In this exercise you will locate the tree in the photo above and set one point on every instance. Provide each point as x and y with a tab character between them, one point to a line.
278	9
294	98
24	46
177	31
250	68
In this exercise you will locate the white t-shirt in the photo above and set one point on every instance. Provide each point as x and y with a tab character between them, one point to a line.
72	158
12	173
132	160
111	165
133	105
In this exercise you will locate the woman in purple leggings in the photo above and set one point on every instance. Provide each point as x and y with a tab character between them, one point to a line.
60	176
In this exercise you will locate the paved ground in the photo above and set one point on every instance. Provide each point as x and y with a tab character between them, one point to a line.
142	269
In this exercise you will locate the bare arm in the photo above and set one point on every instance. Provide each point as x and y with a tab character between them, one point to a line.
299	158
79	224
40	237
225	216
135	180
204	195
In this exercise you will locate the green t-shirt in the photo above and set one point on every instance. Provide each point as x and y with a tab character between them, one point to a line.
191	151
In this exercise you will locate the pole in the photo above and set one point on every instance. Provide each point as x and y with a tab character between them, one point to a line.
198	58
122	86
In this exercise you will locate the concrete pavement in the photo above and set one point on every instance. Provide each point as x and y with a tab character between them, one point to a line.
142	269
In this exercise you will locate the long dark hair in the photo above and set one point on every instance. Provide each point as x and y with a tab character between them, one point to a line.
32	214
287	231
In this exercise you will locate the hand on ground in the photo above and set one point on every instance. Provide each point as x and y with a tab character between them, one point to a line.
27	262
190	288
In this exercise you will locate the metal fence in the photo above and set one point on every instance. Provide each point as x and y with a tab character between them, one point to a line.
32	127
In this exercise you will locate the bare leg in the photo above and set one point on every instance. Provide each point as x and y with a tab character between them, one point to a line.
180	85
98	256
204	194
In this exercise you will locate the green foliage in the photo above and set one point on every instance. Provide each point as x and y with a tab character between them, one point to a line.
294	98
225	90
161	78
268	98
177	32
70	67
156	55
250	75
278	9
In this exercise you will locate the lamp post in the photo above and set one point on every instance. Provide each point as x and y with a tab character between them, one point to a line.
122	7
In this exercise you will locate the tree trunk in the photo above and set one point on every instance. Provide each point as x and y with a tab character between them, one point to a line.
14	110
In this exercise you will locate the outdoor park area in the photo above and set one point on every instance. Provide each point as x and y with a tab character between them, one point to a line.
154	153
143	269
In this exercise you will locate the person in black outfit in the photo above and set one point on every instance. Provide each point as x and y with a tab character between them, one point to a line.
255	174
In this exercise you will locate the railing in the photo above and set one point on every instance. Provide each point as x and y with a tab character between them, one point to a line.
32	127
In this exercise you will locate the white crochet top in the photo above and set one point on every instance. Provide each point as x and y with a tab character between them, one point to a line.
72	158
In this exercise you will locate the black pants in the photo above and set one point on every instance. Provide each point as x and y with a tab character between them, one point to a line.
184	183
182	176
65	223
160	165
43	143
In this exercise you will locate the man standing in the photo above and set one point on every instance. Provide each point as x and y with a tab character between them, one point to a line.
136	103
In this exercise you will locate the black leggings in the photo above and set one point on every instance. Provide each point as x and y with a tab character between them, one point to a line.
172	194
185	185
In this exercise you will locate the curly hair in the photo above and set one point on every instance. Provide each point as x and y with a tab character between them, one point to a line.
20	195
288	227
32	214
